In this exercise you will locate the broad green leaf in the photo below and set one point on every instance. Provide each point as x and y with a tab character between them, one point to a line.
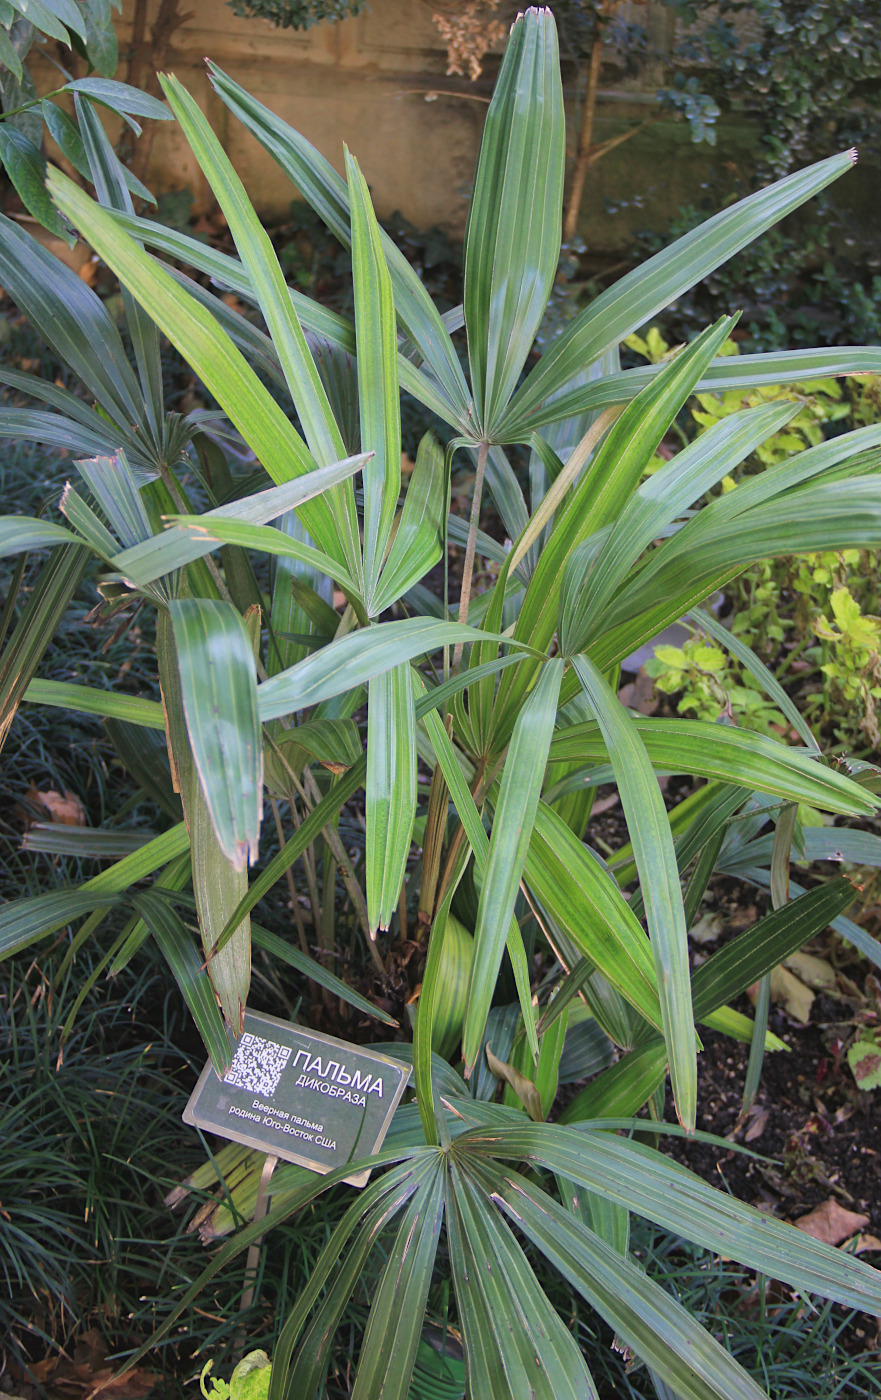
728	372
515	1342
397	1315
643	1314
512	241
26	168
309	1185
219	692
512	829
418	541
479	843
206	347
44	17
65	695
761	948
83	842
636	298
606	484
655	859
357	658
261	263
656	504
241	522
371	1210
728	755
218	885
20	533
108	174
177	947
588	906
122	98
674	1198
33	633
621	1091
114	487
391	790
72	319
310	1365
319	184
378	395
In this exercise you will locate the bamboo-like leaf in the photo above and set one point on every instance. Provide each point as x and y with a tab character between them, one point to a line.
657	503
35	629
378	394
606	485
26	168
757	668
396	1319
206	347
371	1211
512	242
357	658
512	829
764	946
658	877
22	921
179	950
219	691
643	1314
677	1200
65	695
391	790
261	263
242	522
111	180
311	968
515	1342
632	301
591	394
587	904
621	1091
73	320
318	183
20	533
728	755
479	843
418	541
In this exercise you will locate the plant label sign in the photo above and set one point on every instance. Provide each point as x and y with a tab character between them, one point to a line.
301	1096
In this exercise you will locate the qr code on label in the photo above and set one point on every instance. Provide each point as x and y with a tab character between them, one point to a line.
257	1065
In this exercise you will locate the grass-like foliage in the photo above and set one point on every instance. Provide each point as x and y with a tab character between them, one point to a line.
507	696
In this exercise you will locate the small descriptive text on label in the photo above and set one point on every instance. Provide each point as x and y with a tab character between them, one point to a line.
300	1095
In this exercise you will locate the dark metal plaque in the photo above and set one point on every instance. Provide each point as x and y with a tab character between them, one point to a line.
301	1096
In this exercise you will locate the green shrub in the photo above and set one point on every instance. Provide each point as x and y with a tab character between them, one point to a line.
507	698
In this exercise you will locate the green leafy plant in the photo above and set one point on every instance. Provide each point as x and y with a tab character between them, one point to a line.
87	29
507	698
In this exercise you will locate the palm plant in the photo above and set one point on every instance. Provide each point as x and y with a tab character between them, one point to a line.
518	722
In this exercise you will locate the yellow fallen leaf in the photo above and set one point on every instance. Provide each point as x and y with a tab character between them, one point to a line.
67	809
795	997
814	972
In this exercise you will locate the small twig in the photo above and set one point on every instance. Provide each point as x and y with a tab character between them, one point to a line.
289	876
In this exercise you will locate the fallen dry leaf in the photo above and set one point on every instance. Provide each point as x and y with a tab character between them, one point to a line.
862	1244
814	972
707	929
795	997
640	694
757	1126
67	809
831	1223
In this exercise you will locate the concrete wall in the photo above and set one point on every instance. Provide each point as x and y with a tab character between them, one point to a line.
378	81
